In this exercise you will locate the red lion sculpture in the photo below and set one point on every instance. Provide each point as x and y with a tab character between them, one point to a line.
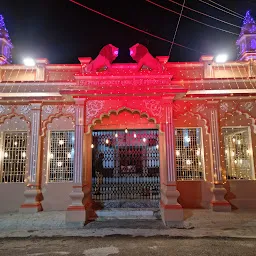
105	58
142	56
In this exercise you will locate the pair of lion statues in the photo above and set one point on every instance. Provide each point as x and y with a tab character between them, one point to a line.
109	53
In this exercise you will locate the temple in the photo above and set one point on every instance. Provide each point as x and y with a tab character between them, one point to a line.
100	139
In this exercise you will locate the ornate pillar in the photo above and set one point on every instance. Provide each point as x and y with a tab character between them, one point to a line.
33	191
76	211
171	210
218	203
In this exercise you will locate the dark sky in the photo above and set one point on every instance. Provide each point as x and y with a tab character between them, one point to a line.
62	31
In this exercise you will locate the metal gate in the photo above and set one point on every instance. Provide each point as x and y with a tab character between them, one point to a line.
125	168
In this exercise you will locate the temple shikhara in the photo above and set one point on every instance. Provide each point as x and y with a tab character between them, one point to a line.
103	139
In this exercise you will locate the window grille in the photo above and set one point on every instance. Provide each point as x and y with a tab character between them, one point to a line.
61	154
238	153
189	154
13	157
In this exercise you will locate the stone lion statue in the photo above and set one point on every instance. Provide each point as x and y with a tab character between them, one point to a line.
105	58
142	56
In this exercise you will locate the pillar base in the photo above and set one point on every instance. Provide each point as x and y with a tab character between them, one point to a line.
75	214
171	211
32	200
219	204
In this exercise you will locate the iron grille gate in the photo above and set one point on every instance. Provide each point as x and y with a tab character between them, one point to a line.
125	168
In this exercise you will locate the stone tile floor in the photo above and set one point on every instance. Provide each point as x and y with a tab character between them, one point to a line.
197	223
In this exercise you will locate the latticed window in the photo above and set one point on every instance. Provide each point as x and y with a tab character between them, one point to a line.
189	154
61	154
238	153
13	156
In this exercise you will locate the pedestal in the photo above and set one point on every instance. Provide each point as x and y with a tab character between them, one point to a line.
171	210
76	215
32	200
219	204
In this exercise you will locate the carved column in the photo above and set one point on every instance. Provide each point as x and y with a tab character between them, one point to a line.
218	203
171	210
33	191
76	211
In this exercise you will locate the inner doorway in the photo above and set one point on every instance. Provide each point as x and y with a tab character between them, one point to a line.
125	168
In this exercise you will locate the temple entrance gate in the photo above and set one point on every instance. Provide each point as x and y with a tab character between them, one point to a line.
125	168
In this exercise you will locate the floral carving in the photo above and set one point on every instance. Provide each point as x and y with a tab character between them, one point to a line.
154	107
71	109
200	108
249	106
224	106
2	109
48	109
93	108
24	109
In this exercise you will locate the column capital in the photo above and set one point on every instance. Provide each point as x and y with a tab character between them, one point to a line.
79	101
36	105
168	100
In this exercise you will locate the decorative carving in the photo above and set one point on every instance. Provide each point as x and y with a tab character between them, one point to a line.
106	56
48	109
2	109
93	107
224	106
249	106
154	107
200	108
24	109
71	109
142	56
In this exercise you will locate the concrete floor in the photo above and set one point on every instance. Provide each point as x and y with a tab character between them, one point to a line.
123	245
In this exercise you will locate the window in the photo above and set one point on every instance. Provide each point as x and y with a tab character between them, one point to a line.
13	156
61	155
189	154
238	153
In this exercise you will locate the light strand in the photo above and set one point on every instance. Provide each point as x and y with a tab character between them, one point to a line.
205	14
221	9
130	26
176	30
210	26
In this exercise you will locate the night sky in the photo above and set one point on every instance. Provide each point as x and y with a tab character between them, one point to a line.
62	31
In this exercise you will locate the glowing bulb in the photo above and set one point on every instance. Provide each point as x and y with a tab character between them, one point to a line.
238	142
234	140
51	156
107	141
177	153
116	135
29	62
15	143
235	161
59	164
241	161
92	146
199	163
5	154
134	135
221	58
69	155
157	146
23	154
188	162
126	131
61	142
144	139
226	151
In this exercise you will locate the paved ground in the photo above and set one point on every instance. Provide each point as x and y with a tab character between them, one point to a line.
127	246
198	223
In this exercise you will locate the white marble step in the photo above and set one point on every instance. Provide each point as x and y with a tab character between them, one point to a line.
128	213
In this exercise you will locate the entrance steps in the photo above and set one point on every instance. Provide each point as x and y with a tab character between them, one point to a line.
128	213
